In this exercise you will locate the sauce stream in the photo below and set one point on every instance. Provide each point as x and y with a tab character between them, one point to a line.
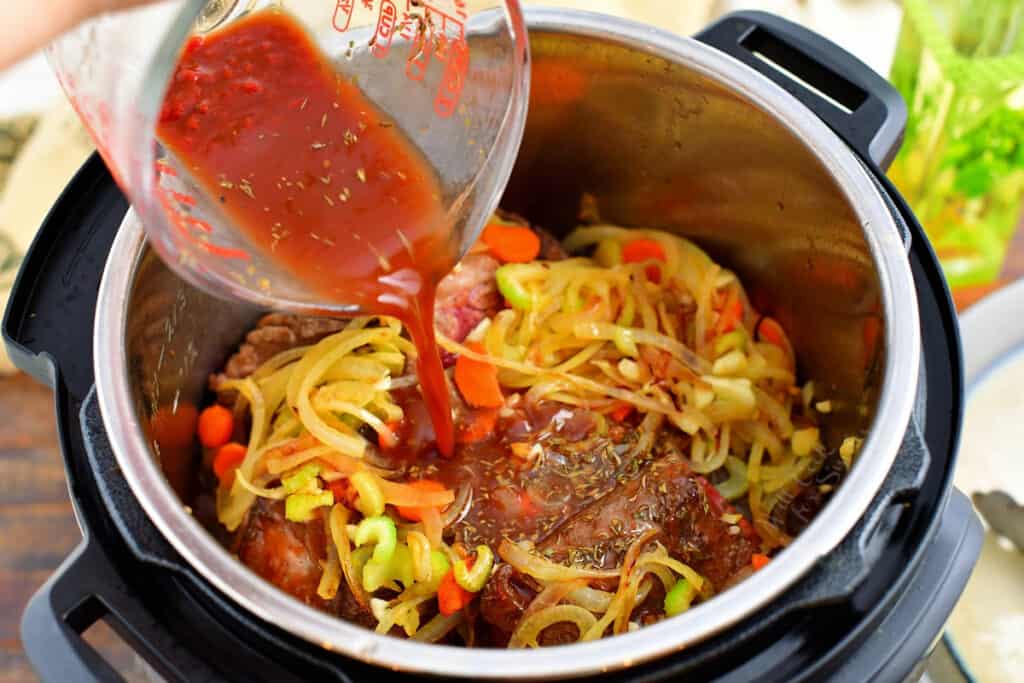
318	179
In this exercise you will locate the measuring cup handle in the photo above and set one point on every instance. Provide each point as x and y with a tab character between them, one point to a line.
860	106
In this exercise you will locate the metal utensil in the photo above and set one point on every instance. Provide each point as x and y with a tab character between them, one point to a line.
1004	514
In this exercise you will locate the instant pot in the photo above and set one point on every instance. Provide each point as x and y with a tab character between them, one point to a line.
759	139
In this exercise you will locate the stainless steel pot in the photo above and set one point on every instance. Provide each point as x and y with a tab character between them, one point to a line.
662	131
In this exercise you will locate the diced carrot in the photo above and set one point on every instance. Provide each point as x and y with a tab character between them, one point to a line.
511	243
771	331
451	597
216	425
621	411
174	428
640	250
228	458
478	380
757	561
389	441
415	514
731	314
478	425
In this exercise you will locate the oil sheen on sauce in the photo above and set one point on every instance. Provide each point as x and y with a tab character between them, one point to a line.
316	177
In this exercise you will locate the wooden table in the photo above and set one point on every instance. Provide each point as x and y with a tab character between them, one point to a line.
37	527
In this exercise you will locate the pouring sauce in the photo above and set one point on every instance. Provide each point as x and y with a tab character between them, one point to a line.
318	179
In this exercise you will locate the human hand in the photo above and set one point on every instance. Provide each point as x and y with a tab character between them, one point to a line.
28	26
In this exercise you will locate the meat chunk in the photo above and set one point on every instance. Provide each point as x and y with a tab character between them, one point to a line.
275	332
507	595
467	295
684	508
286	554
289	555
665	496
550	246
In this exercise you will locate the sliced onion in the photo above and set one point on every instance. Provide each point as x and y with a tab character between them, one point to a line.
661	557
438	627
431	520
280	464
544	569
338	520
736	485
459	507
330	580
277	493
593	599
619	602
530	628
419	548
551	596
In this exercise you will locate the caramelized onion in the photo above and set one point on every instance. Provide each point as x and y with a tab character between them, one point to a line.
459	507
551	596
530	628
438	627
544	569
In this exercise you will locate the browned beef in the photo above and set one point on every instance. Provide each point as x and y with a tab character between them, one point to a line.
668	497
467	295
275	332
288	555
664	496
507	595
284	553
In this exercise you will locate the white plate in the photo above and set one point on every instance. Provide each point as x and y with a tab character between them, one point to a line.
987	625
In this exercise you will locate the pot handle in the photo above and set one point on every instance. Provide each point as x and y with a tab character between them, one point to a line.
47	327
84	590
860	106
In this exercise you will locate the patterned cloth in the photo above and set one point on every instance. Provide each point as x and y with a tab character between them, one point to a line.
38	156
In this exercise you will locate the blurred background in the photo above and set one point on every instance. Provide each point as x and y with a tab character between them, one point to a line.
958	63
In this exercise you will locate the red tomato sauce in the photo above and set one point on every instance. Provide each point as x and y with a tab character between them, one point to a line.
318	179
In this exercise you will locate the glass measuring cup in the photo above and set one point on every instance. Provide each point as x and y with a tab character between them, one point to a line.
452	75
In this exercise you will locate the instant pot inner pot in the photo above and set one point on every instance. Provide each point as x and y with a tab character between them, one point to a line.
649	144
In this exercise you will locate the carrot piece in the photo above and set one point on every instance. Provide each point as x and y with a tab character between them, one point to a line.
729	317
216	425
621	411
415	514
478	380
478	426
757	561
640	250
451	597
228	458
174	428
771	331
511	243
389	441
